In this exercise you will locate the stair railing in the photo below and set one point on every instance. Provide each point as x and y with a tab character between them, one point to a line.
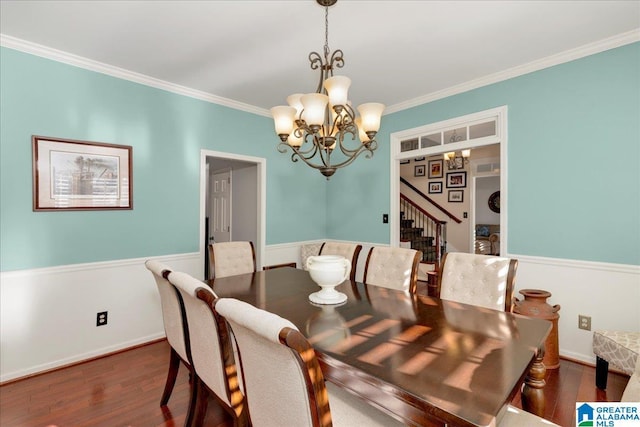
431	201
429	225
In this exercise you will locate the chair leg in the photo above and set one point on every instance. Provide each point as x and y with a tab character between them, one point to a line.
191	410
201	402
602	371
174	364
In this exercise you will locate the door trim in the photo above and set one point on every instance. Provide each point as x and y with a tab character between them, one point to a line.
395	155
261	164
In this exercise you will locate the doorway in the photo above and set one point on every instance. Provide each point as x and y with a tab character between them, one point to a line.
479	130
224	217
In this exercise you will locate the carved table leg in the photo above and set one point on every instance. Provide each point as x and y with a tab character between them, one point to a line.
532	390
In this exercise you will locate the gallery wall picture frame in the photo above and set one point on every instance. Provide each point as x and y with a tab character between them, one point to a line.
419	159
455	196
418	170
435	187
405	161
435	168
456	179
72	175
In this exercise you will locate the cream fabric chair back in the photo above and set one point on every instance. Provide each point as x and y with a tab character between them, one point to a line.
394	268
211	349
311	249
482	280
283	379
350	251
275	384
171	308
231	258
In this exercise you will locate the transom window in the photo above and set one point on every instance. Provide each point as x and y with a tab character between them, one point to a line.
470	131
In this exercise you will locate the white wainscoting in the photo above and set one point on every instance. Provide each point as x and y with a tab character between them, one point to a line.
609	293
47	316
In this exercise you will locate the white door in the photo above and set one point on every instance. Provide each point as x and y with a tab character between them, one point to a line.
220	226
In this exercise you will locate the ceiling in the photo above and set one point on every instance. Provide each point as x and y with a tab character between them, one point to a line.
256	52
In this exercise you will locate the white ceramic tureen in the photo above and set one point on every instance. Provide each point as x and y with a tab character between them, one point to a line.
328	271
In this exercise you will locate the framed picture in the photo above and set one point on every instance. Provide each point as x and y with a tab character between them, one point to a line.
419	159
456	179
418	170
71	175
435	187
404	162
456	196
435	168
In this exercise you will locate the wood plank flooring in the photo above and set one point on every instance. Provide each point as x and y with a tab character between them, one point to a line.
124	389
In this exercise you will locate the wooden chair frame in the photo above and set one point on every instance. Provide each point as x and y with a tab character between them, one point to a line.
238	409
175	359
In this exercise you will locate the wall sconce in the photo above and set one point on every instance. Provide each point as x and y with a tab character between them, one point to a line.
457	161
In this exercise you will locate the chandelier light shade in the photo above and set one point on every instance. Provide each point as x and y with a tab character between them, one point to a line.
315	125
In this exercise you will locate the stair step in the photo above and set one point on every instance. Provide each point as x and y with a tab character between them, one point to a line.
423	239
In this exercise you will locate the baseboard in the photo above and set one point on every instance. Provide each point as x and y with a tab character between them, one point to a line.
78	359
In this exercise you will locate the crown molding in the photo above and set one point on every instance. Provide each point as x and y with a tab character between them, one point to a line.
121	73
550	61
99	67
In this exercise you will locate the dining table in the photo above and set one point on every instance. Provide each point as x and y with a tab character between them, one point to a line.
423	360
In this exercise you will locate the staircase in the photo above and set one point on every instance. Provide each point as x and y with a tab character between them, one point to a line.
418	240
423	231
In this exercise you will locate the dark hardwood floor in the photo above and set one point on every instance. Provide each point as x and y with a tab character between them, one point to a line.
124	389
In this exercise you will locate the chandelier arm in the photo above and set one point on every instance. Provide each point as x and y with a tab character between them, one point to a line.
336	60
350	160
296	155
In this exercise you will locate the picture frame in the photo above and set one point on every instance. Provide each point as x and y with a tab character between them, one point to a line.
405	161
418	170
72	175
435	187
419	159
455	196
456	179
435	168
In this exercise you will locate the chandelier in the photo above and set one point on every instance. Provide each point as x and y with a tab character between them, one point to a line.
315	125
457	161
454	160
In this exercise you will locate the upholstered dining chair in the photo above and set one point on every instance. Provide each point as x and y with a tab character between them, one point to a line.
395	268
211	351
231	258
350	251
280	370
482	280
175	327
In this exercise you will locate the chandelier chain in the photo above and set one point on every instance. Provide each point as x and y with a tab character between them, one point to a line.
326	31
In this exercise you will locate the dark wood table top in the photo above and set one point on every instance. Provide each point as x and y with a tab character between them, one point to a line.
425	360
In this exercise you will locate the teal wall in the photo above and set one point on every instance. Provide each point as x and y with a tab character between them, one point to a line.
586	110
167	132
573	161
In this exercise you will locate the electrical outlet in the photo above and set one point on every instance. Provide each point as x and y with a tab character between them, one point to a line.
101	318
584	322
